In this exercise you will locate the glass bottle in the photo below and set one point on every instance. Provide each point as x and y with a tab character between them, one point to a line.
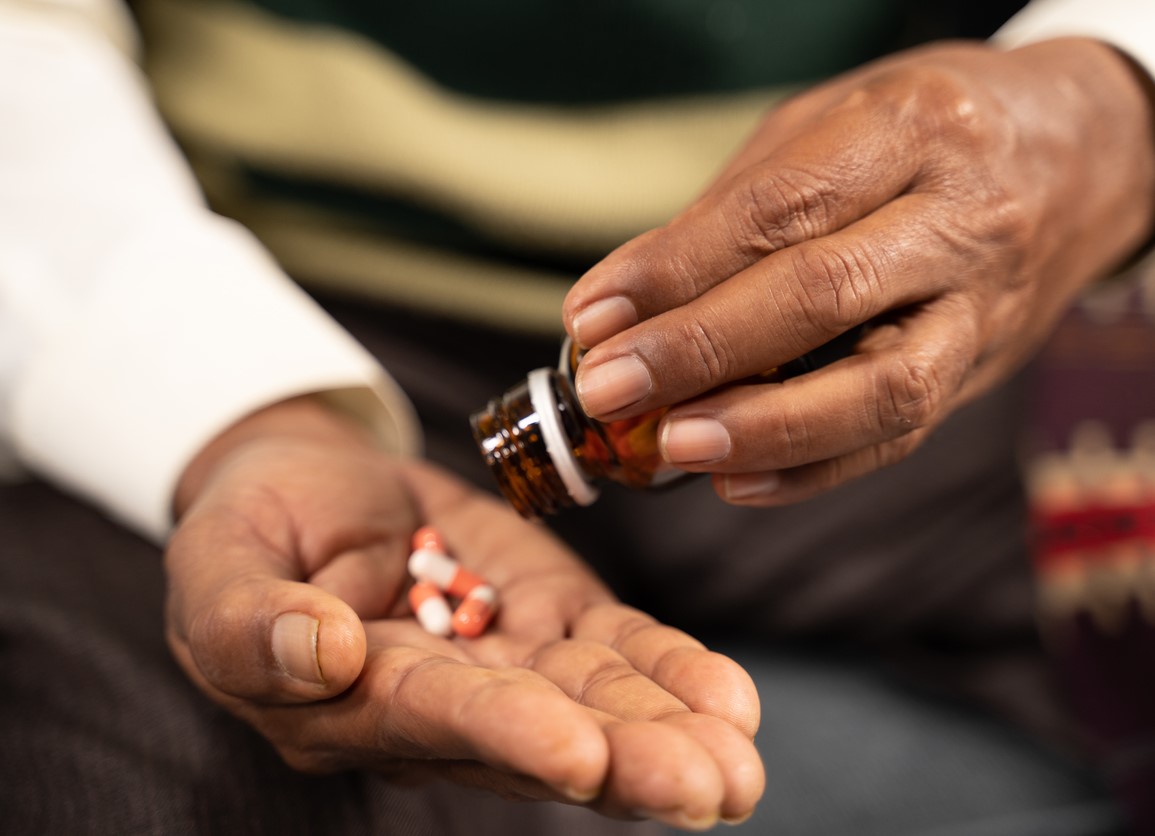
547	454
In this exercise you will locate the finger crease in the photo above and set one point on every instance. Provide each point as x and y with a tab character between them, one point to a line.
604	675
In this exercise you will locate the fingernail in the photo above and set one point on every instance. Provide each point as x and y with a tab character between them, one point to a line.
751	485
689	440
679	818
613	385
734	821
295	646
602	319
581	796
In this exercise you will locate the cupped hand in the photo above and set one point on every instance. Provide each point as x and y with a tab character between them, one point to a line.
956	197
287	576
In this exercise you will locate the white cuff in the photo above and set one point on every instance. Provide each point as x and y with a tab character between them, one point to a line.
1128	25
192	327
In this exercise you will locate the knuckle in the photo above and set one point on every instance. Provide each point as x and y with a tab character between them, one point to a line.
1007	229
936	104
781	208
939	102
782	437
712	357
658	250
910	392
837	284
996	234
943	93
794	437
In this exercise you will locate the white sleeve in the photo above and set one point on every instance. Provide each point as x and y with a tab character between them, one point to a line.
1128	25
135	324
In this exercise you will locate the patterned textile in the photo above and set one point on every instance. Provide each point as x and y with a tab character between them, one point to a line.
1092	477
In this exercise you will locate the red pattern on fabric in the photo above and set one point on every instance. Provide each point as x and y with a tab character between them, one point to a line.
1090	533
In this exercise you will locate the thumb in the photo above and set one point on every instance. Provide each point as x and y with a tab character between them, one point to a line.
243	625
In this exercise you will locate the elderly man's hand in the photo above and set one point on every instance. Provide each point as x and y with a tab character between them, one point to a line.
287	577
957	197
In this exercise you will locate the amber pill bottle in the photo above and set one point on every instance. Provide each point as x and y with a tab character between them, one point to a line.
547	454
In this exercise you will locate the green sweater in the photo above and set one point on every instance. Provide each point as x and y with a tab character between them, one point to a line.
470	159
597	51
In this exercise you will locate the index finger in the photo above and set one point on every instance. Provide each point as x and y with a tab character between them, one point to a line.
413	703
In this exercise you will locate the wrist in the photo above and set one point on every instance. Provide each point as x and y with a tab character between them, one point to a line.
1145	84
1108	103
307	418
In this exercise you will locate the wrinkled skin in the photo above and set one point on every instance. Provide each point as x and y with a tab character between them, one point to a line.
569	695
955	196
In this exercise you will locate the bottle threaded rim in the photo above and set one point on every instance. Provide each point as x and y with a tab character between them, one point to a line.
509	435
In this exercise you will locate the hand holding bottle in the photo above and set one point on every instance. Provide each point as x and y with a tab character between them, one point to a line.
955	196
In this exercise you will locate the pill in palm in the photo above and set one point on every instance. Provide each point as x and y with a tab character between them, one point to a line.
475	611
444	571
431	608
438	575
428	537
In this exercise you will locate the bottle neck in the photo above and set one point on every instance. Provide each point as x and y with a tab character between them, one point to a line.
553	401
526	438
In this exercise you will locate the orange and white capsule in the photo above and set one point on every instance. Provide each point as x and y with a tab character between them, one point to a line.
444	571
428	537
431	608
475	611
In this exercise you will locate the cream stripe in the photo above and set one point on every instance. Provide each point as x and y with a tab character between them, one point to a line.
323	103
327	251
